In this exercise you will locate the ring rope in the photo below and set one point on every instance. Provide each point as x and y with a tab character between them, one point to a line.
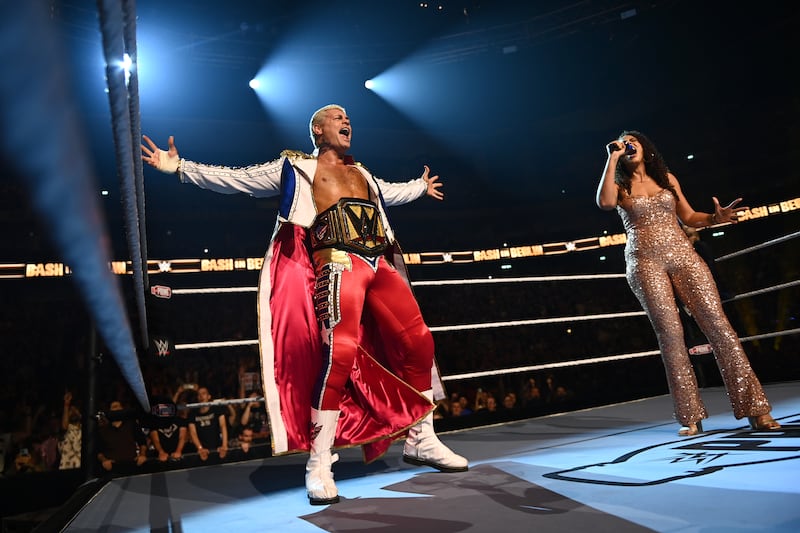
41	127
220	344
764	290
529	368
516	370
759	246
232	401
477	281
497	372
214	290
545	366
514	280
554	320
770	335
113	27
485	325
129	32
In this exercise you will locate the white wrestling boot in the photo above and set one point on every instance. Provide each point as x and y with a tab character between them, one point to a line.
319	478
423	447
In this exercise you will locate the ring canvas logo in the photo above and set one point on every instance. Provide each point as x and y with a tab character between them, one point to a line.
702	455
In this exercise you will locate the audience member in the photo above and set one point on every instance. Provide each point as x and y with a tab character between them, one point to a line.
168	437
491	403
69	445
255	416
26	460
465	408
510	401
531	394
480	400
208	427
122	445
244	440
46	438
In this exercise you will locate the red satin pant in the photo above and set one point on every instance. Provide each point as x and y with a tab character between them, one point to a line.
347	286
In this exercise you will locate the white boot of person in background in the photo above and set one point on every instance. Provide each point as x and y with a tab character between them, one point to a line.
319	478
423	447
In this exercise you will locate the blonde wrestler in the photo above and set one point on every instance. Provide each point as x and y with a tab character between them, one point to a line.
346	357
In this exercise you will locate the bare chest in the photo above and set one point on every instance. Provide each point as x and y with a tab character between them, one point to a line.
334	182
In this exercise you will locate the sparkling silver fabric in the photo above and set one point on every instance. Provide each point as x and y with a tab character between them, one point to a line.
661	264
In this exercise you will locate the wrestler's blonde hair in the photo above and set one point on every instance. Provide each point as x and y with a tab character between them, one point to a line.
318	117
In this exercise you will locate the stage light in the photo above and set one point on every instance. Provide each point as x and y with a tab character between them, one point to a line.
369	84
255	84
126	64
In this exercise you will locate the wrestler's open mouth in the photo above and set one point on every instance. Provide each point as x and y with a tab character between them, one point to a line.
345	132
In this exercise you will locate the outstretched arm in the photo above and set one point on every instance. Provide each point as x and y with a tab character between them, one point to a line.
261	180
166	161
397	193
698	219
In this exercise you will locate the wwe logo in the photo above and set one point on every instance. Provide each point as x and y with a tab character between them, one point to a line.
162	347
164	266
365	222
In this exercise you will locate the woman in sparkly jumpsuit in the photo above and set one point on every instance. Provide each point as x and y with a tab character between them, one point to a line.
662	264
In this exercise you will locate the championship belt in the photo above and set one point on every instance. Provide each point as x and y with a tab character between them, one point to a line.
351	224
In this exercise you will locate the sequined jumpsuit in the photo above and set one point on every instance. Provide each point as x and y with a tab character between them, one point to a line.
660	259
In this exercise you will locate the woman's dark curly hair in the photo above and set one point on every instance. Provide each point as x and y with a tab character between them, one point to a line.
654	165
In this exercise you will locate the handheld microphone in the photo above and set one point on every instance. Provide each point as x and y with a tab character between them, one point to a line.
629	148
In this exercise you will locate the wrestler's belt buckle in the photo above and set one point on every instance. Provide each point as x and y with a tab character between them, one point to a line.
352	224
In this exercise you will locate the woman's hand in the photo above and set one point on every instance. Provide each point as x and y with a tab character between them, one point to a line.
727	213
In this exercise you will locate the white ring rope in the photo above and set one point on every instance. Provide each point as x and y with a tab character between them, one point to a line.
554	320
485	325
517	370
765	290
477	281
771	335
759	246
514	280
595	360
545	366
213	290
232	401
220	344
462	327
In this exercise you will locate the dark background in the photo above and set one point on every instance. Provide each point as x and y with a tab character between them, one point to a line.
511	103
518	137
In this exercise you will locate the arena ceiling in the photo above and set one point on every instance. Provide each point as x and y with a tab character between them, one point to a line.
511	103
